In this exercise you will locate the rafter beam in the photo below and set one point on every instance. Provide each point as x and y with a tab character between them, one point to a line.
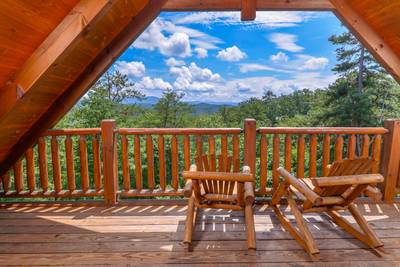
248	10
55	46
369	37
236	5
64	102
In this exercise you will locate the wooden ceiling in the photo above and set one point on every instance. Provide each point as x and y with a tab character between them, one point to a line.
52	51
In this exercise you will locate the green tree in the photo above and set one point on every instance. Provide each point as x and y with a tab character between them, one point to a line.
104	100
362	93
171	111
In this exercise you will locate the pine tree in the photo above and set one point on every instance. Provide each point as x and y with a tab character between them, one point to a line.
353	100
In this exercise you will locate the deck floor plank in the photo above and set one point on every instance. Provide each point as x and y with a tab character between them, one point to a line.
45	234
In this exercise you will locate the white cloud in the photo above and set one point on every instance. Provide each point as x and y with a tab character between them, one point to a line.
132	68
231	54
194	78
147	83
249	67
201	52
174	40
267	19
172	62
279	57
286	42
299	63
313	63
177	45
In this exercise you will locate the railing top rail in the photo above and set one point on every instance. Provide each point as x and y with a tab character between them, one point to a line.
322	130
179	131
78	131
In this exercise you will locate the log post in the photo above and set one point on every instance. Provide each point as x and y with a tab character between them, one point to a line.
390	159
109	161
250	133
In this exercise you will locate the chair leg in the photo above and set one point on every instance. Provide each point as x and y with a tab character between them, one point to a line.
302	225
303	235
189	224
250	229
367	236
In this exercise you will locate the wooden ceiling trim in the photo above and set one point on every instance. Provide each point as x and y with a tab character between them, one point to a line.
76	90
369	37
24	25
236	5
248	10
64	35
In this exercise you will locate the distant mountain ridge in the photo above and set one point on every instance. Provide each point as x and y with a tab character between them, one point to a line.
199	107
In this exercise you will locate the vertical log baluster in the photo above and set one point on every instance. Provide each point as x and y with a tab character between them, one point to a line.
83	160
351	147
376	153
275	161
150	162
55	162
5	180
161	162
43	167
18	178
96	163
235	160
338	153
313	155
365	146
300	156
199	151
69	154
288	152
174	162
235	150
186	151
212	153
224	150
224	160
138	163
30	169
126	178
326	147
212	185
263	163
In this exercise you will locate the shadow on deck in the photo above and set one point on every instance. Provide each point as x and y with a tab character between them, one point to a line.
52	234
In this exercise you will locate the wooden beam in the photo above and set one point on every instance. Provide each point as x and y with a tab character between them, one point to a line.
86	79
248	10
236	5
369	37
56	44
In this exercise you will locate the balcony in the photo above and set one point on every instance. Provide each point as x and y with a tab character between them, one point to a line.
111	196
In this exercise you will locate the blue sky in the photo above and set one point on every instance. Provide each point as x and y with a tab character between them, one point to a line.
213	56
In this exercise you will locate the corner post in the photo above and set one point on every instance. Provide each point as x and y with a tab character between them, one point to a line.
109	150
250	134
390	159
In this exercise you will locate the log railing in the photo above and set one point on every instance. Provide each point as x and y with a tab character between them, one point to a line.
307	152
109	163
172	150
39	172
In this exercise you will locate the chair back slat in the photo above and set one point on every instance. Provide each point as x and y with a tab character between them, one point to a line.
225	163
346	167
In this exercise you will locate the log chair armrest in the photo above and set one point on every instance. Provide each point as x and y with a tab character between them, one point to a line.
218	176
249	193
374	193
188	189
300	186
347	180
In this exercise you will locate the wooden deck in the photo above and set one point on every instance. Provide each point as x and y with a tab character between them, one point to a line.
43	234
